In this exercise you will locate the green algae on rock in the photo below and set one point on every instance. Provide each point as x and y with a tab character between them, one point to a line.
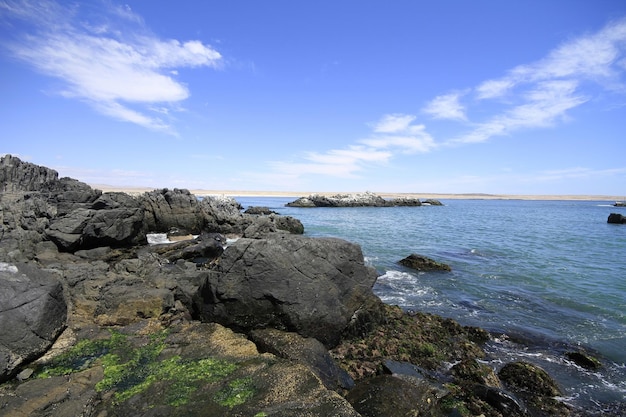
130	370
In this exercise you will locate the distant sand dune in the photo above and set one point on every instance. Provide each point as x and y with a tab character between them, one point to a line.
438	196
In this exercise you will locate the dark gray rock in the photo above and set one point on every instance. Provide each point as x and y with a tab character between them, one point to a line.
404	202
432	202
263	225
68	194
584	359
259	211
203	249
307	350
33	313
16	175
290	282
36	206
177	208
119	227
115	200
535	387
23	220
88	228
66	232
224	215
616	218
387	395
503	401
423	263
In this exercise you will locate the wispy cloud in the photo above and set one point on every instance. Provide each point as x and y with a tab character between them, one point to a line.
541	106
446	106
108	59
398	133
541	93
597	57
393	134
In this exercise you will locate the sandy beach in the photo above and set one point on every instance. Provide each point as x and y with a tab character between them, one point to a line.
438	196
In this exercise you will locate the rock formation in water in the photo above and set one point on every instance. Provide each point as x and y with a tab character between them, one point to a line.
616	218
423	263
366	199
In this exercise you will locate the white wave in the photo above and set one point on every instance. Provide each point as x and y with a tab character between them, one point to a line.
157	238
403	288
393	300
5	267
370	260
393	275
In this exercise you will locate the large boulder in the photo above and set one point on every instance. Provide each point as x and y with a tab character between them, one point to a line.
177	208
33	313
312	286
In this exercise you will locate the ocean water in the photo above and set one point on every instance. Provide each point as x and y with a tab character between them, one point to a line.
544	277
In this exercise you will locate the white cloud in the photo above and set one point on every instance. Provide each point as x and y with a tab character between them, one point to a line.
341	163
542	106
541	93
113	63
393	123
393	134
494	88
446	106
595	57
396	131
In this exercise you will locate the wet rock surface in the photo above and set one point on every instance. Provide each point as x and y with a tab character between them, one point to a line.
535	387
423	263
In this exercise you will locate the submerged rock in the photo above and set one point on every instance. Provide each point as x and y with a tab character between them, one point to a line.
583	359
423	263
535	387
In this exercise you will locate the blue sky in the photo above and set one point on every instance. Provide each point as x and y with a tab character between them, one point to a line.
504	97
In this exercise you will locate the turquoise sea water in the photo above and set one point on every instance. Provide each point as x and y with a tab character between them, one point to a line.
543	276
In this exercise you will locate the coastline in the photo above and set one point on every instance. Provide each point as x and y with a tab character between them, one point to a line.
439	196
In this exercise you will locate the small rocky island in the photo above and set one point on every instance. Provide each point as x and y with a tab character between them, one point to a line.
239	315
367	199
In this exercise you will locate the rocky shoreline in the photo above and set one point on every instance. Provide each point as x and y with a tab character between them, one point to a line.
249	318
